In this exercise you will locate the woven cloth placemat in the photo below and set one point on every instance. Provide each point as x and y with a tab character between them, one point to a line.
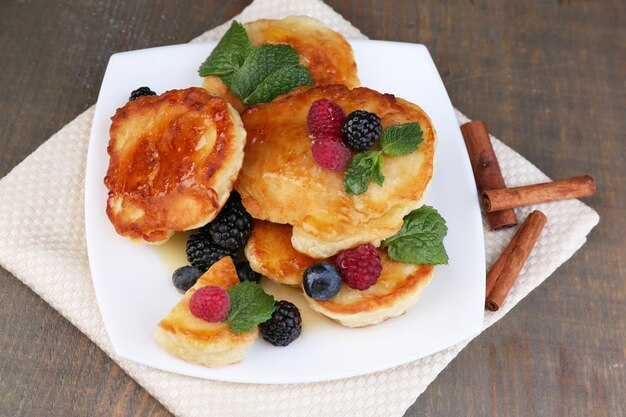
52	260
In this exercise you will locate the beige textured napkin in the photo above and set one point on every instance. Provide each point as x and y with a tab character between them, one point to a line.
52	260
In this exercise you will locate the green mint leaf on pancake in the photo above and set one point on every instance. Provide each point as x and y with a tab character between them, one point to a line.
259	65
410	252
229	54
279	82
249	307
401	139
420	239
255	75
363	167
396	140
377	171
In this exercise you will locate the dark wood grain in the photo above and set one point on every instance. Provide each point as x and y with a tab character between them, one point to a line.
547	76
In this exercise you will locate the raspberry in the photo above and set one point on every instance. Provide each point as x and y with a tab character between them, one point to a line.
361	130
330	153
360	267
210	303
325	118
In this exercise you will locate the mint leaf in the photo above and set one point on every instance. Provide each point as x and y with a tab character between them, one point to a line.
259	65
425	222
401	139
410	252
249	307
279	82
229	54
255	75
377	171
420	239
362	168
395	141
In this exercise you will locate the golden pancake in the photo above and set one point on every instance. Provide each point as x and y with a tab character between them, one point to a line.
270	253
173	161
324	52
195	340
281	182
397	290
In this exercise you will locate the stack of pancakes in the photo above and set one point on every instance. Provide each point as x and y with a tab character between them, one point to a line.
175	158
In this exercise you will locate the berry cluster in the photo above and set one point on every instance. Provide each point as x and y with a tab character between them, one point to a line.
223	237
359	268
324	124
334	134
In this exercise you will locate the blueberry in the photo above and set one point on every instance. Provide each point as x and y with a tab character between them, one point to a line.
321	281
245	273
185	277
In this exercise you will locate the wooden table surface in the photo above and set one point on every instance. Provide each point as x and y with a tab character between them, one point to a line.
547	75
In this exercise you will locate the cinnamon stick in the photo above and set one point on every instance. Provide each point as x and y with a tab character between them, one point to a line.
497	268
486	169
508	198
504	272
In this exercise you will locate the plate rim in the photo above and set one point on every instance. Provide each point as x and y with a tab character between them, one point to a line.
170	366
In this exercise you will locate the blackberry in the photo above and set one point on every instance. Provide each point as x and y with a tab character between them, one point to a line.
361	130
141	91
185	277
245	273
232	226
202	252
285	325
234	200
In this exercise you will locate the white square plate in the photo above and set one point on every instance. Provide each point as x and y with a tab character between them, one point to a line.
133	283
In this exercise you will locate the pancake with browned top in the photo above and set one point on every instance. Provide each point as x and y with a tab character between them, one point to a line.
211	344
324	52
173	161
281	182
270	253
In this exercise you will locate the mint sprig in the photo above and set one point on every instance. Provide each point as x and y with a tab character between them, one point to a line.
249	307
261	63
400	140
281	81
255	75
396	140
229	54
362	168
420	239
